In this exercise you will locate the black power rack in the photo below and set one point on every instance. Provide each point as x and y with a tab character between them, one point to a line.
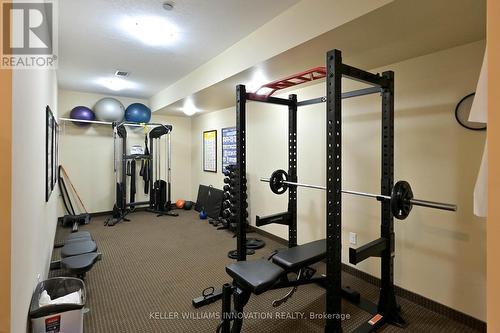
387	311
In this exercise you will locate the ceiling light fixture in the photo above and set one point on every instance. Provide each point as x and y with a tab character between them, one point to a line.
151	30
258	79
115	83
189	108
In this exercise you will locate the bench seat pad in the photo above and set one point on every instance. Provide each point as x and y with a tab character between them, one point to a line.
79	234
77	248
80	264
298	257
256	275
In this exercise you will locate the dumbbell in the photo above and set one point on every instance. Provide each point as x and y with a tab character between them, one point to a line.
232	197
233	182
231	167
225	222
229	204
232	191
230	181
230	174
227	213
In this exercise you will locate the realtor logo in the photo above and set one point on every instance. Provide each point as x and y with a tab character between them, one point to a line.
28	35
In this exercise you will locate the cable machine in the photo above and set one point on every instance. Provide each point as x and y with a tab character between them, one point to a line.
125	164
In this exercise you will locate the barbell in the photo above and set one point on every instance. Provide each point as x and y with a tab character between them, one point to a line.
401	198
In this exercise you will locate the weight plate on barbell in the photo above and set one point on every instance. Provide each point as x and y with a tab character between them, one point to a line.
401	200
276	182
255	243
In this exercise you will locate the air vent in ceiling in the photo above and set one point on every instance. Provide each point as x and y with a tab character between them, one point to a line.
122	73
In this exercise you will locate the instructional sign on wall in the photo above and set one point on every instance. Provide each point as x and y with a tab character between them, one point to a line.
210	151
228	146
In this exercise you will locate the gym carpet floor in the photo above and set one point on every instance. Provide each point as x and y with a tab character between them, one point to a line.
152	267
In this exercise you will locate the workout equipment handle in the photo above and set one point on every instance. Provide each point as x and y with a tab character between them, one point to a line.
416	202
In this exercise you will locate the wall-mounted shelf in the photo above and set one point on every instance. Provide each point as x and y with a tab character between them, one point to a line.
98	122
63	122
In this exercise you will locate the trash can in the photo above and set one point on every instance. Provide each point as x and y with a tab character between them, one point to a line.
57	306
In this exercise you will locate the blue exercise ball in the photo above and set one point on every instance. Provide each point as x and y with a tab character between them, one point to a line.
81	113
138	113
109	109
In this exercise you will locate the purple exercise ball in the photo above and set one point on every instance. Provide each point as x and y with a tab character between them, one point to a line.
81	113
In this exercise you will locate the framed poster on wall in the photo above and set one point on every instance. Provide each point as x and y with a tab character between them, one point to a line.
228	147
50	124
210	151
55	155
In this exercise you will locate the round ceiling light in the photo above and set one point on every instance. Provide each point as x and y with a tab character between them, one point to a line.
151	30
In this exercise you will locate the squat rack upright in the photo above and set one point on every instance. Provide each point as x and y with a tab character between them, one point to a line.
387	310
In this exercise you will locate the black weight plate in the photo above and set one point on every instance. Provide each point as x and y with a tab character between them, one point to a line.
255	243
276	181
401	200
234	253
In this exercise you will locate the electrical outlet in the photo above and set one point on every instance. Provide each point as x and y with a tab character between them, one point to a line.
353	238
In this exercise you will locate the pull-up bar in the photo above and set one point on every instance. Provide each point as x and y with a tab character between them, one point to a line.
349	94
293	80
288	102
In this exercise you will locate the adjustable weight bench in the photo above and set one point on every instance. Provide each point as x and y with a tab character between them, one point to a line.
75	236
256	276
78	246
78	255
80	264
259	276
300	256
79	234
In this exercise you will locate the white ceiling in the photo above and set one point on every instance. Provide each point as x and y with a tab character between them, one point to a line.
400	30
92	44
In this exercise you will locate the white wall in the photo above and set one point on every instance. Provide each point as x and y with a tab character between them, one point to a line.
437	156
205	122
87	153
33	220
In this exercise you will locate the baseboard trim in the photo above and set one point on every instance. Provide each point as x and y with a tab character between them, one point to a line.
106	213
59	219
269	235
425	302
421	300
